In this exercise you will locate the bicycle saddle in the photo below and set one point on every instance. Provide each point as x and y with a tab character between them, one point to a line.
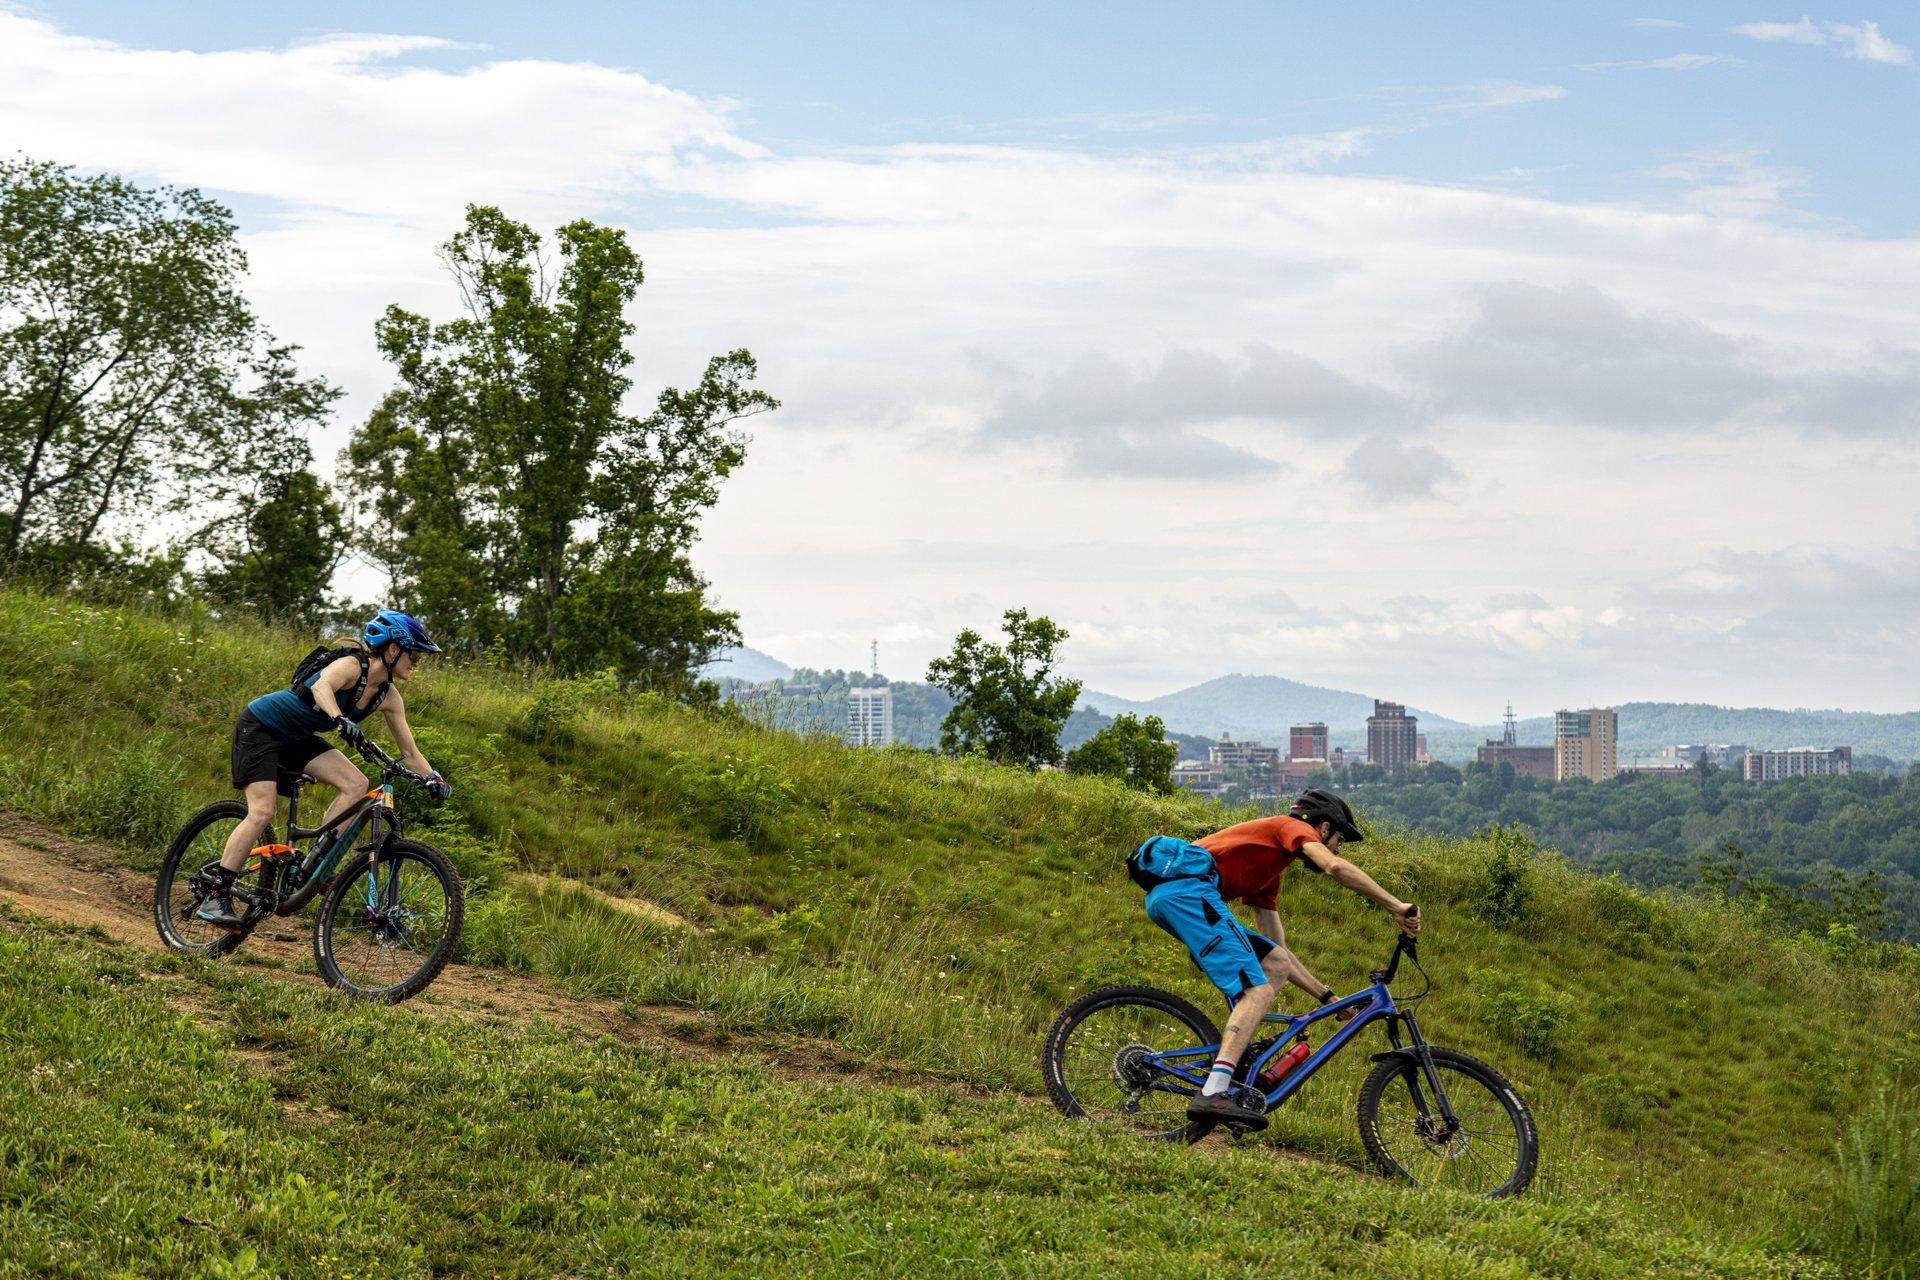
289	784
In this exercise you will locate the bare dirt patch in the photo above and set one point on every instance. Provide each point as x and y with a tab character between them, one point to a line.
73	882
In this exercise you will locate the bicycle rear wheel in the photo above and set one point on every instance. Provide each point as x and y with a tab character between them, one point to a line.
1095	1059
186	874
1493	1151
386	930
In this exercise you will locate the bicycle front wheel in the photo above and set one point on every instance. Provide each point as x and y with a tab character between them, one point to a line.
1096	1060
1492	1148
387	929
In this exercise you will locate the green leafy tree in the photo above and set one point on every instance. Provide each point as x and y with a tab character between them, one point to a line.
503	485
277	554
131	366
1132	750
1007	703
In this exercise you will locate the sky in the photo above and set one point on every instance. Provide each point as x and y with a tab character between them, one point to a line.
1460	355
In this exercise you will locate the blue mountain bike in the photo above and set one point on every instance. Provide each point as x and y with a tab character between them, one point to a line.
1133	1057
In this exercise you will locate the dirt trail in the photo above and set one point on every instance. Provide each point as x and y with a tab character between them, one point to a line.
73	882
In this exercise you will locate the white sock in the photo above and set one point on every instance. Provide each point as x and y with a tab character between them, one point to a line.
1218	1079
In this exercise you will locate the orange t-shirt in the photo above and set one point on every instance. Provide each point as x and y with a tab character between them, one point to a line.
1251	856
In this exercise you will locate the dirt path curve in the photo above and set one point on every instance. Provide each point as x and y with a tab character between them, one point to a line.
73	882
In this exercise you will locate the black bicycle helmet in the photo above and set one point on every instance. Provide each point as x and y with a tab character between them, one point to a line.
1316	806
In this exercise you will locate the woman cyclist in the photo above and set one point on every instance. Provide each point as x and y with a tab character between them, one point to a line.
279	733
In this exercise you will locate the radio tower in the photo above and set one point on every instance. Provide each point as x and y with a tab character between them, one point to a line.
1512	736
874	652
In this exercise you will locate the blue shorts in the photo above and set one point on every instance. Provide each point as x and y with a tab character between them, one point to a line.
1228	952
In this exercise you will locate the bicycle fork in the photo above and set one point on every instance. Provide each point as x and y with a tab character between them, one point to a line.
1421	1055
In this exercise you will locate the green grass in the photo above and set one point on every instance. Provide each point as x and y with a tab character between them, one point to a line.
373	1142
935	914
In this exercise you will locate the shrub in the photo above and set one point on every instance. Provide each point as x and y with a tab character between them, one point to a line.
1535	1021
1874	1224
1626	915
552	717
734	795
1501	888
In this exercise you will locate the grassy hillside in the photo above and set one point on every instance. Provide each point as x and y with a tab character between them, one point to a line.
169	1119
1689	1077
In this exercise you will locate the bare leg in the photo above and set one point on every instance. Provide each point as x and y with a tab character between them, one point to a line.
260	802
1245	1020
337	771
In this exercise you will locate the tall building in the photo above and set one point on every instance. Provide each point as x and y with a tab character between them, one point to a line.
1586	744
870	716
1307	741
1797	762
1393	736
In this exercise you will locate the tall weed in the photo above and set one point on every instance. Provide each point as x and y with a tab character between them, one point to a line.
1501	891
1874	1224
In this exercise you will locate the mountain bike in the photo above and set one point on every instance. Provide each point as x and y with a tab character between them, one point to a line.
389	918
1133	1056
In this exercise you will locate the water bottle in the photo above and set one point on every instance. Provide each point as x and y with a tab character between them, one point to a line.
1280	1067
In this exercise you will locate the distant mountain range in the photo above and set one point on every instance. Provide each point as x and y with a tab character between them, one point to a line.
1265	707
1262	707
746	664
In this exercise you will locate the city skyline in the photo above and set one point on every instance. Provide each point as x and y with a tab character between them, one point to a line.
1470	356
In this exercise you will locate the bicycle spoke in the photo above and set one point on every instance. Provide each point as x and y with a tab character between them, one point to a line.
1481	1151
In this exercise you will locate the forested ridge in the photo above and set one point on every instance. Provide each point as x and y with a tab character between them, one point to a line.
1660	832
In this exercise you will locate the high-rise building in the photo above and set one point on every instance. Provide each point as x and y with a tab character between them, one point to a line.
1307	741
1797	762
1586	744
1393	736
870	716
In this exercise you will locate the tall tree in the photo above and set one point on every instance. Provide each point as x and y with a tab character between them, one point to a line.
1134	751
1007	703
129	359
506	488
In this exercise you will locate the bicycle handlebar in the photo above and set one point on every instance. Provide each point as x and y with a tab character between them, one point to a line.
369	750
1404	945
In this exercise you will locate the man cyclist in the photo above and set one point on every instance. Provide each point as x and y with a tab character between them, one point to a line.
279	733
1188	888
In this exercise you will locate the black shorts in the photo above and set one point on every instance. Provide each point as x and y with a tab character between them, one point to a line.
260	755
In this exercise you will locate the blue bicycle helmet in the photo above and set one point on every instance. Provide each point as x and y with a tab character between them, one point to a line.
390	625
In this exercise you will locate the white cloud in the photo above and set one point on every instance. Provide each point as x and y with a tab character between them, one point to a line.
1867	44
1492	94
1674	62
1732	183
349	123
1862	40
861	277
1801	32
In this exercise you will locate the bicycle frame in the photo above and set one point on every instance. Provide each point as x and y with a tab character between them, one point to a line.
1371	1004
316	869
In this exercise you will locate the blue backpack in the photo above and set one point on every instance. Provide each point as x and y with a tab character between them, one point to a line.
1163	858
